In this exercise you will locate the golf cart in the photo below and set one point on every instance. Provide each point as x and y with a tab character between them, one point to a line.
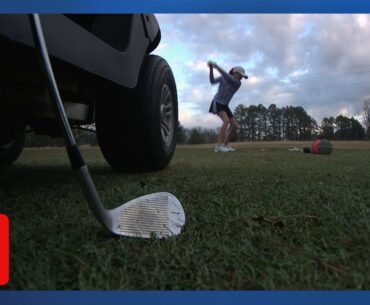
105	74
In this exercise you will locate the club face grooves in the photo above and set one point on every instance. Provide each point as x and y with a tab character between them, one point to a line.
145	217
157	215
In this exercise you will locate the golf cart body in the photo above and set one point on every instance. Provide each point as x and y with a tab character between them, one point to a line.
101	64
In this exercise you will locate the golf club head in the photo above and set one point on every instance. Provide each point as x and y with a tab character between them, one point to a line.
157	215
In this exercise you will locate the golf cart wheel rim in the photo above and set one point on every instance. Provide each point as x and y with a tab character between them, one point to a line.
167	115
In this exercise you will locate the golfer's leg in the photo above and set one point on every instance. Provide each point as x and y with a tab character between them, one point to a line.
232	130
225	122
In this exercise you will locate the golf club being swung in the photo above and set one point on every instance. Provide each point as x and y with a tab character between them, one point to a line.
158	214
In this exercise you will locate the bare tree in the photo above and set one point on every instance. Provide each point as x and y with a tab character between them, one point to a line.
367	113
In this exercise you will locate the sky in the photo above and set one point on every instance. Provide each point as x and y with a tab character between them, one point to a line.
320	62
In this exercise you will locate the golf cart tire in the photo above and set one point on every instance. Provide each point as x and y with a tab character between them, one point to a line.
10	150
130	126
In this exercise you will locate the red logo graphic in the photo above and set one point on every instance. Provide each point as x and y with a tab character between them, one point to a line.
4	249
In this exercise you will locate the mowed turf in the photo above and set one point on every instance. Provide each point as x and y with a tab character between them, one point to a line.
258	218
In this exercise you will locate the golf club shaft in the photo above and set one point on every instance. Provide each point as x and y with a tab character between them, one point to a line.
76	159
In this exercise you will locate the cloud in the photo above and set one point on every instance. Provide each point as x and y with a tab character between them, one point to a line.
319	62
162	47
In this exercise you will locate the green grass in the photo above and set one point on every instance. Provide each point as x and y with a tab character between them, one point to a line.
259	218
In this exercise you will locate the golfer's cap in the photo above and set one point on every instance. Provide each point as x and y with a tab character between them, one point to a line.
240	70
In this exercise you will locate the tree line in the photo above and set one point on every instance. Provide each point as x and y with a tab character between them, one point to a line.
258	123
292	123
342	128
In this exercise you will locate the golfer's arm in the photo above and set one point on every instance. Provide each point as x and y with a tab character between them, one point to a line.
212	79
228	77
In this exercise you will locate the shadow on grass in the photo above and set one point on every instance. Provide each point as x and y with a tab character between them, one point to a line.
32	175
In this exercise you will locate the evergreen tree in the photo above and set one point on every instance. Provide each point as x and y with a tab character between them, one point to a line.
327	128
181	135
196	136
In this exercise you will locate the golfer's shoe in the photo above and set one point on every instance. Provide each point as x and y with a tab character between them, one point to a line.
221	148
229	148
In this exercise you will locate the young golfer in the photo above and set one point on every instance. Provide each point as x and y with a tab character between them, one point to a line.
229	84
